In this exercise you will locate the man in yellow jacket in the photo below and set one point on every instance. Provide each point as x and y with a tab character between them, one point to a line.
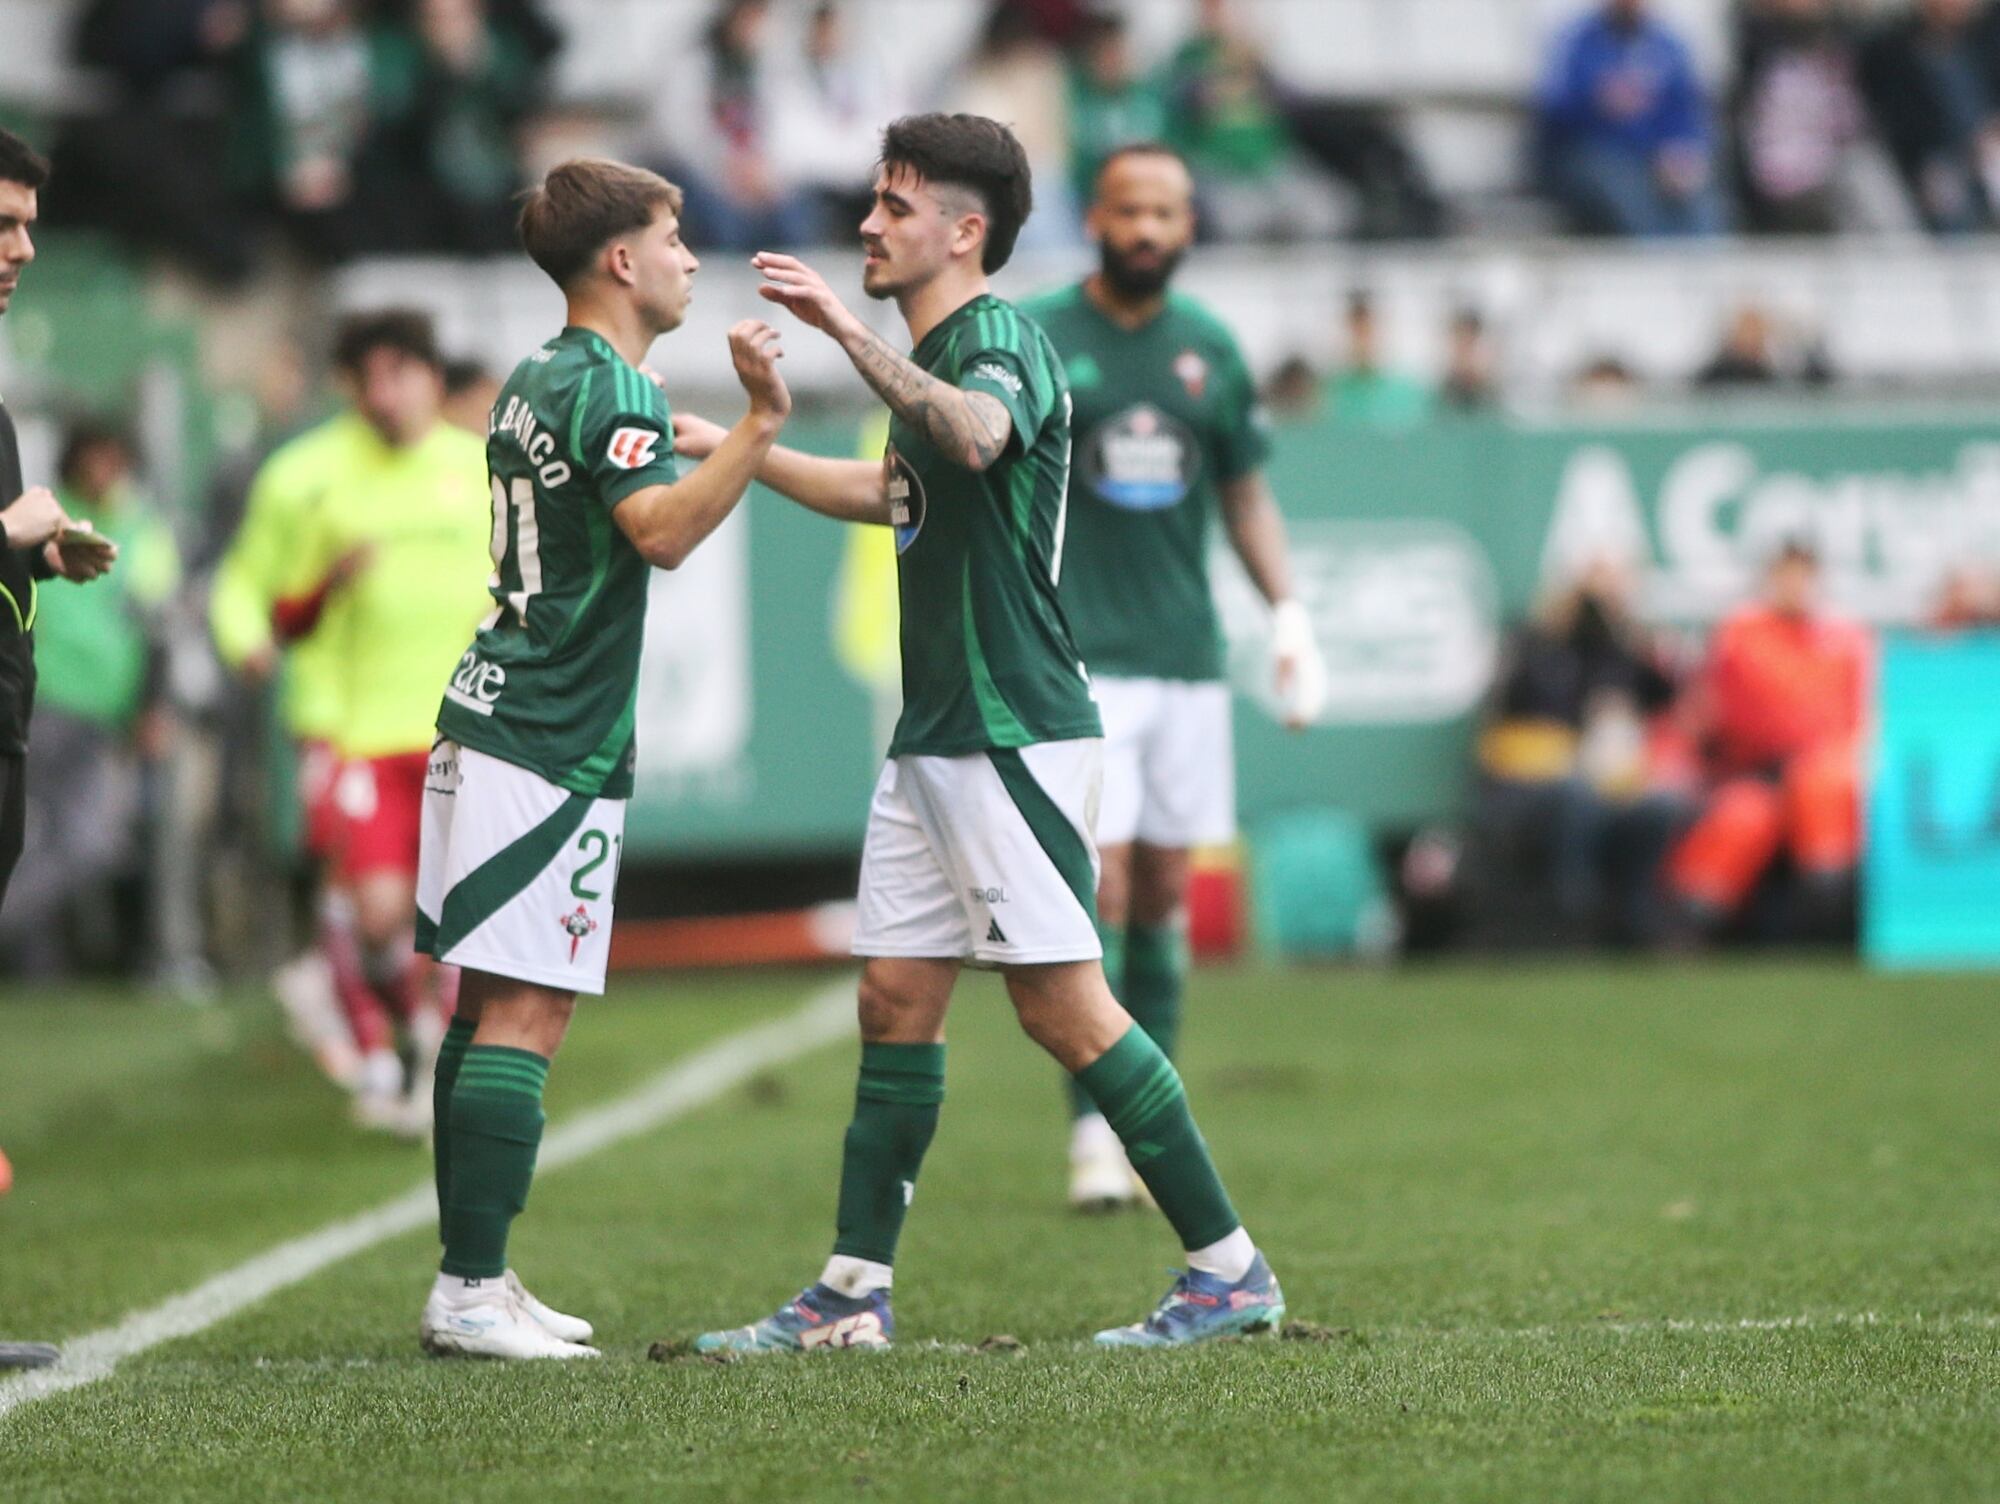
365	556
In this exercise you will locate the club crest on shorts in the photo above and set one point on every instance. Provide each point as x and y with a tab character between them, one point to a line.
579	926
632	447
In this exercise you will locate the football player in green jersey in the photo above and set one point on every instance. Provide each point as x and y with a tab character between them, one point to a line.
1168	435
980	845
524	804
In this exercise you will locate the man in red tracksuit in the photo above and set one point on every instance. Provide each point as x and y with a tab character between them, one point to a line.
1784	693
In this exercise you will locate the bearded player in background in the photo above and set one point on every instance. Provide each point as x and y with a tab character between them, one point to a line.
1169	435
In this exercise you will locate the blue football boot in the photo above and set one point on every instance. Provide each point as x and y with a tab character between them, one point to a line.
1202	1307
819	1318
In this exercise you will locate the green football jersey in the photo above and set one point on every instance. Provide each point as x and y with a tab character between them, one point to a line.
1165	416
988	660
551	680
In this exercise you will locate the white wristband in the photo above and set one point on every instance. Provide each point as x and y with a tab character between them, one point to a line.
1291	628
1293	641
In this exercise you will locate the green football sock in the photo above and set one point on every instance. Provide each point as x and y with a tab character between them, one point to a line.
1156	968
895	1113
457	1039
1139	1092
1113	938
496	1129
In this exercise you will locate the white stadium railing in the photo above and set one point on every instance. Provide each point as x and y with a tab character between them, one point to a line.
1888	312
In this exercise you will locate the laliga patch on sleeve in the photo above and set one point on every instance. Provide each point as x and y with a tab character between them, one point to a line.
632	447
999	375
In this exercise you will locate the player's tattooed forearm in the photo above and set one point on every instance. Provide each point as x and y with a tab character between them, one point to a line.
994	422
971	427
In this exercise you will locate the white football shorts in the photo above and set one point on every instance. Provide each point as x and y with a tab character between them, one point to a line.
515	876
988	858
1169	762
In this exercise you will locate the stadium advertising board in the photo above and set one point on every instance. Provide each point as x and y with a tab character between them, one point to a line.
1933	864
1414	549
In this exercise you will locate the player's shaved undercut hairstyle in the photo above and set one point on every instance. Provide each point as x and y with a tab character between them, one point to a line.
978	155
407	331
21	163
585	204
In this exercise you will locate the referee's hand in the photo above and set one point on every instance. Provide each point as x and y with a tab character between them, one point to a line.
80	555
34	518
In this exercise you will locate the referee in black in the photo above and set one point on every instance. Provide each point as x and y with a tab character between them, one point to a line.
37	542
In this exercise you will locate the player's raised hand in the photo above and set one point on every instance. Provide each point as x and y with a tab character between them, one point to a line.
756	349
695	438
802	291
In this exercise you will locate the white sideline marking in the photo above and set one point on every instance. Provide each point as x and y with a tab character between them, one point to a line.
692	1083
1716	1327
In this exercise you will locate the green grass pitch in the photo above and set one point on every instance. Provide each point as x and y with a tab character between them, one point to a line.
1718	1232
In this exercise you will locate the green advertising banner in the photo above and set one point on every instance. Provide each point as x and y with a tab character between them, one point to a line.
1415	548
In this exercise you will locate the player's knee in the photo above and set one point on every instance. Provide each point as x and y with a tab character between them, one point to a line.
892	1014
1044	998
526	1017
1040	1023
1067	1010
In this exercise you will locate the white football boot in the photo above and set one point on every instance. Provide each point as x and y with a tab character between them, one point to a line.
1100	1177
486	1321
554	1322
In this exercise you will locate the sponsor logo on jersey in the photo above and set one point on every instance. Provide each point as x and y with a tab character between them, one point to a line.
999	375
579	926
632	447
1142	460
1193	372
906	498
477	684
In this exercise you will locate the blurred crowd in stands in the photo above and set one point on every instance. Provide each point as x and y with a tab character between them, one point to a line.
358	129
1755	350
393	126
1630	140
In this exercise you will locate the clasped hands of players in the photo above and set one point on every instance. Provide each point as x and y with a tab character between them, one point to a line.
754	349
813	302
71	548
